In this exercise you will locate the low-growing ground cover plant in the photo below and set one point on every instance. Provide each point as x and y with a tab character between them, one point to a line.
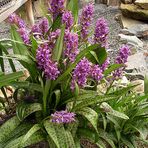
58	102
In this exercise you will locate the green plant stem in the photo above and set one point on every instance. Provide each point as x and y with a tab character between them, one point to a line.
45	95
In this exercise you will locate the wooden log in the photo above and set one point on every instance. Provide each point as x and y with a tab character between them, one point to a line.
29	11
12	9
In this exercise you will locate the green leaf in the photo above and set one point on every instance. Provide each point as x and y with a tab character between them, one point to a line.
17	47
127	142
57	133
10	60
91	101
123	90
70	140
101	54
8	127
100	143
33	130
6	79
27	85
73	7
112	68
146	85
58	96
57	52
90	115
1	60
23	109
35	138
106	137
50	128
34	45
105	106
56	24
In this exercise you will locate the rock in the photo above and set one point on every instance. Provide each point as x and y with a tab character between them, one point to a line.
113	2
139	30
133	40
132	11
127	1
142	3
137	64
140	88
129	22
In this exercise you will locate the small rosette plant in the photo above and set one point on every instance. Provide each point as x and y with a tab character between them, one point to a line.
59	96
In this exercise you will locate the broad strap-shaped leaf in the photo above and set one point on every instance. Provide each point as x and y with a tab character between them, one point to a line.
33	130
107	108
57	133
92	101
57	96
1	60
112	68
23	110
35	138
58	50
127	142
106	137
27	85
16	133
6	79
2	48
50	128
90	115
70	140
100	143
73	7
18	48
8	127
123	90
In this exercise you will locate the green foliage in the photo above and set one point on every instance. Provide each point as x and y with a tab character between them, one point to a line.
115	118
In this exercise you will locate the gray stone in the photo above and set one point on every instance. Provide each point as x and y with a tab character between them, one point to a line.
140	88
132	40
142	3
127	1
137	64
139	30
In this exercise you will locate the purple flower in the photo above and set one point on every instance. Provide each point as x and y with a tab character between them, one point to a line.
51	70
105	64
62	117
44	25
101	32
96	72
85	20
53	36
57	7
81	73
41	28
71	46
67	19
123	55
45	63
121	59
15	19
24	35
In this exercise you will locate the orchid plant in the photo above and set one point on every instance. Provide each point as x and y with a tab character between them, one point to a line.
65	64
